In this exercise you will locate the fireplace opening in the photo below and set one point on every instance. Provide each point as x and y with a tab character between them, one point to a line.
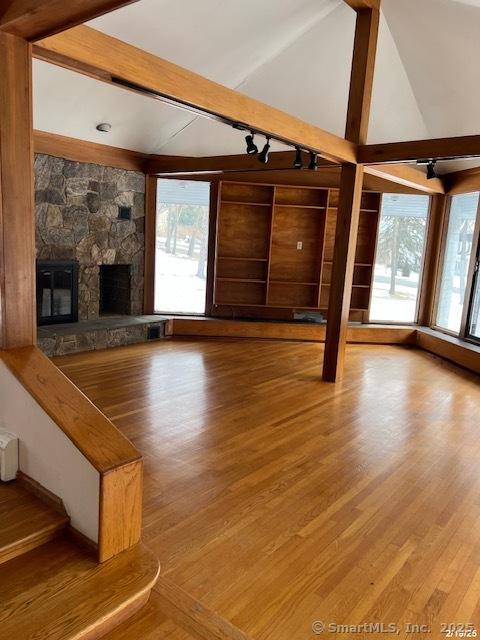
115	285
57	291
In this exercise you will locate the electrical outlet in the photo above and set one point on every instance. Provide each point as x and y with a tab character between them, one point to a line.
299	245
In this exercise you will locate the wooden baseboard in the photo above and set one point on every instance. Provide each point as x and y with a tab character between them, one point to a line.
81	540
46	496
449	348
217	328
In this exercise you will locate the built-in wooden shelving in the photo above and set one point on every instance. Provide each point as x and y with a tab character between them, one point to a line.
274	248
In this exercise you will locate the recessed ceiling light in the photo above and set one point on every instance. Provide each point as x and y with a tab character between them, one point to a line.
104	127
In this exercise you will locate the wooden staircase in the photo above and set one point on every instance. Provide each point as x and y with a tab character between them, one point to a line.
52	587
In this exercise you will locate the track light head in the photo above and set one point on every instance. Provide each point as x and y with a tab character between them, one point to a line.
431	173
313	166
298	162
252	148
263	155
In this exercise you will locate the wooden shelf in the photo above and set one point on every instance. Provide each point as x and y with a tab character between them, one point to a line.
299	206
253	280
357	264
287	282
250	204
246	259
271	221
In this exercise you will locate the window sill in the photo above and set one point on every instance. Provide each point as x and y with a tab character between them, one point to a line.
458	351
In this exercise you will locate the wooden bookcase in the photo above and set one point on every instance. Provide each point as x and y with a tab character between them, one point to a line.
274	249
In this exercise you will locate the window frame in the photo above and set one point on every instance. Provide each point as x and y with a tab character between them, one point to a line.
472	279
421	280
150	262
467	302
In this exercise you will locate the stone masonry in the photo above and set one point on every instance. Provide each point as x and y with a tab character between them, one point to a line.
77	219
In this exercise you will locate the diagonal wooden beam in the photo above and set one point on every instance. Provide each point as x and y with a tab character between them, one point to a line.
99	55
406	175
458	147
351	185
358	5
34	19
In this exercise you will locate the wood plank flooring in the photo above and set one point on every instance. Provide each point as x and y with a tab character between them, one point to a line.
278	500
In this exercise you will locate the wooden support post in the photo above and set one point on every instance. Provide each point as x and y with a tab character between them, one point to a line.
351	184
348	215
17	219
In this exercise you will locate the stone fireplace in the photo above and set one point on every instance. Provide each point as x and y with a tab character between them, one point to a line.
91	219
81	214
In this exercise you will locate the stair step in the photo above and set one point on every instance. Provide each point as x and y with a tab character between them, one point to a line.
150	623
59	592
26	521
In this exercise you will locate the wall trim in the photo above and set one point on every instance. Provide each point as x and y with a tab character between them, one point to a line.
52	144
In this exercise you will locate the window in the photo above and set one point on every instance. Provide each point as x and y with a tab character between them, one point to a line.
399	258
456	259
181	246
474	320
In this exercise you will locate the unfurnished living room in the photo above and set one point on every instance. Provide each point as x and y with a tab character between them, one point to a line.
239	319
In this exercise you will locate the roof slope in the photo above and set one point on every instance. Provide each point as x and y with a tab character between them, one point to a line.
292	54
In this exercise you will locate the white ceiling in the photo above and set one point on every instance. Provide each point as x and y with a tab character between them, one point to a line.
292	54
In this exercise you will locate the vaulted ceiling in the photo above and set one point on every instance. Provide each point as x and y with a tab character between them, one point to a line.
292	54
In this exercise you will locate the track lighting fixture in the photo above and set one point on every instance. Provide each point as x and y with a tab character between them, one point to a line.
252	148
298	162
431	174
263	155
313	166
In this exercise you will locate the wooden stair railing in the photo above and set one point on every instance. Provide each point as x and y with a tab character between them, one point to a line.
118	463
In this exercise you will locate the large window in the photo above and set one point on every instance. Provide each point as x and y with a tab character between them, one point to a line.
456	260
398	264
181	246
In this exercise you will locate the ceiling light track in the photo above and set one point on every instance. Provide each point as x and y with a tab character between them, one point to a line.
251	149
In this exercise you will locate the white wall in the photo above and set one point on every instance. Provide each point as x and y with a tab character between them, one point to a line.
49	457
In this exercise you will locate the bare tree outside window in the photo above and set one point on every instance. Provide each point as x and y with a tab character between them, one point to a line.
398	264
181	246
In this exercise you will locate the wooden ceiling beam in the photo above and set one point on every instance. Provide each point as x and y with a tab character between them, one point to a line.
358	5
406	175
464	181
99	55
351	185
161	165
458	147
400	174
361	78
34	19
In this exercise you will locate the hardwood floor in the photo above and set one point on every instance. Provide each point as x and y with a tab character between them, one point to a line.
278	500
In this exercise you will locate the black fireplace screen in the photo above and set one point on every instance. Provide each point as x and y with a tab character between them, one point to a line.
57	291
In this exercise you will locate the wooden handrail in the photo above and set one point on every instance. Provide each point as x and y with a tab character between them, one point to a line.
118	462
94	435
